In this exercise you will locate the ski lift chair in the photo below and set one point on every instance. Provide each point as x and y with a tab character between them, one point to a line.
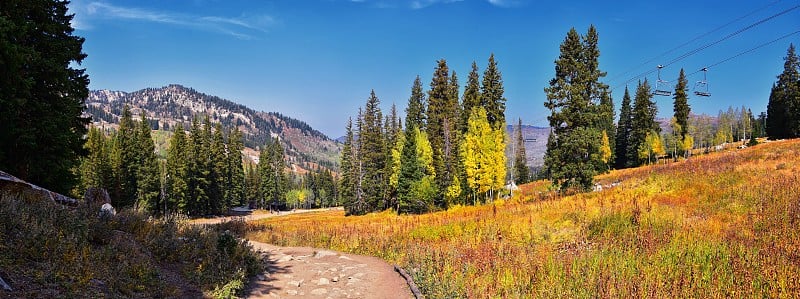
701	87
662	87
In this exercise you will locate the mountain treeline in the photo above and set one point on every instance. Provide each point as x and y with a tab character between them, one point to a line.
175	104
203	172
449	150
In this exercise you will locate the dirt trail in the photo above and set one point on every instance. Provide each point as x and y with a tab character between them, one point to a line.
304	272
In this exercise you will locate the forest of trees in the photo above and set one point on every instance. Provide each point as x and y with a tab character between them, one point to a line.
449	150
203	172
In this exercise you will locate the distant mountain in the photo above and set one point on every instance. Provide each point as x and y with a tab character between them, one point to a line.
174	105
535	143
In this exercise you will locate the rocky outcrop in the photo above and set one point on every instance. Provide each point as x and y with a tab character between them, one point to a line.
11	185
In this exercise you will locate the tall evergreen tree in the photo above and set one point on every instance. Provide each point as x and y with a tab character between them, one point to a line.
581	109
347	184
393	134
197	170
624	128
235	181
642	122
443	127
95	169
681	105
411	173
492	98
177	189
148	176
783	109
43	93
273	181
596	90
219	166
521	170
415	111
440	115
373	153
472	96
128	166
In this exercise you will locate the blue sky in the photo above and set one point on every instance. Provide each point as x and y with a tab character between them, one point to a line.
317	60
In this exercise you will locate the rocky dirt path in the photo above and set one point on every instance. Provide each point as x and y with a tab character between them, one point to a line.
303	272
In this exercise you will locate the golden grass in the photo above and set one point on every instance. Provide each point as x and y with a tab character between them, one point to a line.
721	225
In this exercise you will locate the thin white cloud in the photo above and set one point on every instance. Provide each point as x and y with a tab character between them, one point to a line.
243	27
506	3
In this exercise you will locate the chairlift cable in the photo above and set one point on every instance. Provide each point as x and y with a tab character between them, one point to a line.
762	21
693	40
695	51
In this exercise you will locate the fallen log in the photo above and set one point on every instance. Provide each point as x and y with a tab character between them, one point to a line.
413	286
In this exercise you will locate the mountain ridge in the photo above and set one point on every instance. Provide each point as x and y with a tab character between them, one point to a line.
175	105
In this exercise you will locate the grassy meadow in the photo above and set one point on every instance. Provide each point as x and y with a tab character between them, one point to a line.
720	225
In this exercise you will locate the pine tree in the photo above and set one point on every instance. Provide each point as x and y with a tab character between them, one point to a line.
235	181
415	111
373	154
392	134
347	170
197	172
42	98
492	98
681	105
783	109
148	175
577	117
472	96
597	91
411	172
623	132
95	168
128	166
521	170
273	182
219	166
177	189
252	184
441	127
642	121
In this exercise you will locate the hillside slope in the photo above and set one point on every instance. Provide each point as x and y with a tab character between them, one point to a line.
715	226
50	250
173	105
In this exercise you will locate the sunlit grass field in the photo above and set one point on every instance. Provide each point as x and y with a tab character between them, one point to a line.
720	225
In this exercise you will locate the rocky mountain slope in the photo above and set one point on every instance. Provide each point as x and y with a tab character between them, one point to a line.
176	105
